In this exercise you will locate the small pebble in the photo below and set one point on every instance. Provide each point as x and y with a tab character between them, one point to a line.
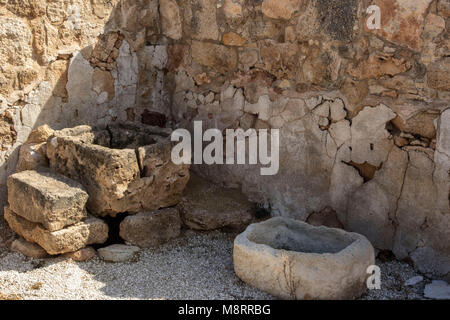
413	281
439	290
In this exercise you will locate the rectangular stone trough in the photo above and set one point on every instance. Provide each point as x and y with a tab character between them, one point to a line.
124	168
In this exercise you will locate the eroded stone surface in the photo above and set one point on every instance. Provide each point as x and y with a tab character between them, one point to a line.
293	260
130	172
151	229
29	249
47	198
70	239
102	62
81	255
206	206
402	21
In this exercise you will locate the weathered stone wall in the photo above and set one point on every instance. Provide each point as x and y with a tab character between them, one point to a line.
363	114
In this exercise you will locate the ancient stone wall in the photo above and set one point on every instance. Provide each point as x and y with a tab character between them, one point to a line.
363	114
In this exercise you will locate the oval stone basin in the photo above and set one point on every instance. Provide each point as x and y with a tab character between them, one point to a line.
291	259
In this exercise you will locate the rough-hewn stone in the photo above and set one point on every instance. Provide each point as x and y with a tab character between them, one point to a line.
111	170
70	239
81	255
29	249
47	198
214	56
208	207
151	229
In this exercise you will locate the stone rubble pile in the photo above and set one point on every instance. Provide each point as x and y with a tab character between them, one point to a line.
72	181
48	209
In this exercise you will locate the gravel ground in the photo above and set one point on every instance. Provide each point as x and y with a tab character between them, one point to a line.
195	266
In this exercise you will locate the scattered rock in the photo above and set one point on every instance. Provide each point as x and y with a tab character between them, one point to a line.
413	281
151	229
118	253
439	290
29	249
40	134
81	255
109	167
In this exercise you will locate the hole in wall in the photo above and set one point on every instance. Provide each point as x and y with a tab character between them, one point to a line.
365	170
260	211
386	255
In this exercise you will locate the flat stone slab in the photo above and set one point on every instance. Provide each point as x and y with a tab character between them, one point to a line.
439	290
70	239
29	249
47	198
294	260
151	229
206	206
118	253
413	281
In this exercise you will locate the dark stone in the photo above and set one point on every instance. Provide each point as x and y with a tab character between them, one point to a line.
154	119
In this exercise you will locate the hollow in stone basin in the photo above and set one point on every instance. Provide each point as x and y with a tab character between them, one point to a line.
124	167
294	260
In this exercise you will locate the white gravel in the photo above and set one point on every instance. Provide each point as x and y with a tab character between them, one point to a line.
195	266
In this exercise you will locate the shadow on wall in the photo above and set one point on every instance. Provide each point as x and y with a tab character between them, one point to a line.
94	65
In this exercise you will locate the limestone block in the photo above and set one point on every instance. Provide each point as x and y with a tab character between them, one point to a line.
125	169
151	229
70	239
47	198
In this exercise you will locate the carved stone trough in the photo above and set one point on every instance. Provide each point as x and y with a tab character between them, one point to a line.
294	260
124	168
